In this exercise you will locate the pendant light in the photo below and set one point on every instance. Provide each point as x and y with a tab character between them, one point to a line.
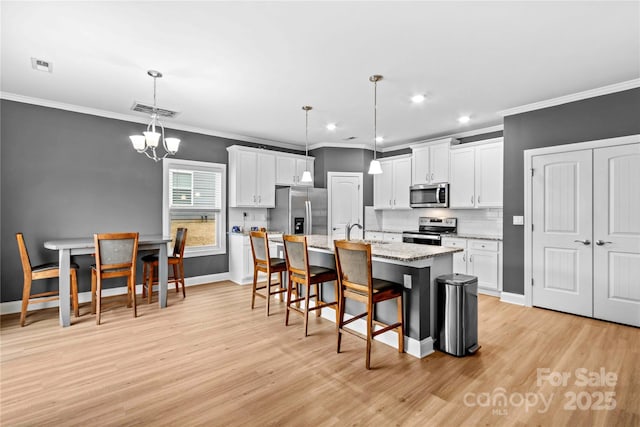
374	166
306	175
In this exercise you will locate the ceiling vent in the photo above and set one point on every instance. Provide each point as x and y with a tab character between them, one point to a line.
148	109
41	65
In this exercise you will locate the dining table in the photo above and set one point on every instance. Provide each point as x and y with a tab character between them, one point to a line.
69	247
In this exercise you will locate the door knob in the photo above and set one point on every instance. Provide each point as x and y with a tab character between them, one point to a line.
584	242
601	242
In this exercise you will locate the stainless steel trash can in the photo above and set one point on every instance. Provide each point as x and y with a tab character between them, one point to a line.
457	314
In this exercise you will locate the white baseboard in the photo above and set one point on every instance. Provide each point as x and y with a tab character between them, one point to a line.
15	306
412	346
511	298
490	292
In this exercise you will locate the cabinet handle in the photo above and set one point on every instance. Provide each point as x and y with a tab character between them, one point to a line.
478	199
470	258
471	199
394	202
254	198
464	257
259	199
432	176
390	204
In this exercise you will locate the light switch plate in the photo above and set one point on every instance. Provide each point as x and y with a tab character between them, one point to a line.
518	220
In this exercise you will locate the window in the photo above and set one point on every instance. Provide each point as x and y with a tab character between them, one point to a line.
194	197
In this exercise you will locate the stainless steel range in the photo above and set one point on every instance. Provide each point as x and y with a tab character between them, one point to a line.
430	231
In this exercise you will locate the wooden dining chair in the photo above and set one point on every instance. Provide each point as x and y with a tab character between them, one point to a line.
356	282
175	261
262	262
116	255
42	271
300	273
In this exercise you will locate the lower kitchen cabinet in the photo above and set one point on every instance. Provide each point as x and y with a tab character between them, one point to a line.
480	258
382	236
241	259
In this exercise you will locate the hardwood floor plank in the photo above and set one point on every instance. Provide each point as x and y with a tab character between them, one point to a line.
211	360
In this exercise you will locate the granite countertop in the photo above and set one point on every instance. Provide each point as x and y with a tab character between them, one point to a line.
403	252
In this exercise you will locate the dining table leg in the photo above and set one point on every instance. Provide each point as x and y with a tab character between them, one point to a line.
163	269
64	287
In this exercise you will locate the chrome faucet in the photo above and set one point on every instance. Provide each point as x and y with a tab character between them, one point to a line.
349	227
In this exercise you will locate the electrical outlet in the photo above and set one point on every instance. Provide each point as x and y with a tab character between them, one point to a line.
407	281
518	220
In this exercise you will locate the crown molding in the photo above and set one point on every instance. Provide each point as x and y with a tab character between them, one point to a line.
592	93
143	120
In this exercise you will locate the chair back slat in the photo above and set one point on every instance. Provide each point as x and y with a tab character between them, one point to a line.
116	250
259	247
295	249
24	255
353	264
181	241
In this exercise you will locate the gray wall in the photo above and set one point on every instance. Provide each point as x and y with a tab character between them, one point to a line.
608	116
333	159
66	174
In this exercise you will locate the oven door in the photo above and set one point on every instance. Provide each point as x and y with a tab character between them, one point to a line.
422	239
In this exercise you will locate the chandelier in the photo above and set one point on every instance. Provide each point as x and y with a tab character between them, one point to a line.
149	140
306	175
374	166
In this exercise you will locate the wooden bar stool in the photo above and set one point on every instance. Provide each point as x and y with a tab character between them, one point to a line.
262	262
355	281
116	255
42	271
303	274
175	261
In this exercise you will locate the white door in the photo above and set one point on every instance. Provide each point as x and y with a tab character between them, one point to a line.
401	183
461	187
439	162
561	236
489	175
345	203
616	234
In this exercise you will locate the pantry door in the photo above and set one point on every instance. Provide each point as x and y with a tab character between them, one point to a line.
616	234
562	232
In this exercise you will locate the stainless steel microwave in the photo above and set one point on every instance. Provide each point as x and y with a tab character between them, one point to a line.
429	196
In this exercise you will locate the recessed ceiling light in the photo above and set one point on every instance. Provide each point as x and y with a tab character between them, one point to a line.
41	65
464	119
331	126
416	99
379	139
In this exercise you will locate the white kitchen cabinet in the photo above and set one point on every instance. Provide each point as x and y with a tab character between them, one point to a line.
480	258
289	169
476	175
381	236
241	259
252	178
391	187
430	162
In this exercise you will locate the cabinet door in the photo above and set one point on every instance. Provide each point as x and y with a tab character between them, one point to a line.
461	185
383	187
247	261
301	166
401	183
439	163
484	265
246	175
420	166
459	258
285	170
266	180
489	175
392	237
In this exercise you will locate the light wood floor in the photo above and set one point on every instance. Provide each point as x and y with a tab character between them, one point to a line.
210	360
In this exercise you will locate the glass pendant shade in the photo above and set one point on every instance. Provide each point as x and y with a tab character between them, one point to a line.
138	142
172	144
152	138
374	167
306	178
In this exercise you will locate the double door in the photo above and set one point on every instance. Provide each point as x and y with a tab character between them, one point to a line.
586	232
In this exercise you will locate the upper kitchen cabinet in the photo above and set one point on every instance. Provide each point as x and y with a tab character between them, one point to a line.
391	187
289	169
252	177
476	175
430	162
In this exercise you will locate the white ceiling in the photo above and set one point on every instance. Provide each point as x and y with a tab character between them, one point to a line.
246	68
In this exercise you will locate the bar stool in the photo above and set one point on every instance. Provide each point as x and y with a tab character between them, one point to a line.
42	271
262	262
303	274
355	281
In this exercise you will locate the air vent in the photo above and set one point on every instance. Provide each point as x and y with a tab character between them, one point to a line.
148	109
41	65
349	138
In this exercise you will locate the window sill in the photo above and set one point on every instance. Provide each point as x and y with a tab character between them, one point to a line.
204	252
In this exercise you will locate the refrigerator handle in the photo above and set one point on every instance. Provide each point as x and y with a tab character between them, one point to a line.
309	221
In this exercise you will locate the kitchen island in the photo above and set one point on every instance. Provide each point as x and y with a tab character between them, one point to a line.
415	266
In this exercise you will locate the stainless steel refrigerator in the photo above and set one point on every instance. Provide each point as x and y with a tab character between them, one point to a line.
299	210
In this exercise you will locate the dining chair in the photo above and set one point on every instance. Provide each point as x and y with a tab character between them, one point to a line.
356	282
42	271
150	266
262	262
116	255
300	273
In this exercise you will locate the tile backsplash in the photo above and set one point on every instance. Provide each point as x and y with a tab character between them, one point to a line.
484	222
256	217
